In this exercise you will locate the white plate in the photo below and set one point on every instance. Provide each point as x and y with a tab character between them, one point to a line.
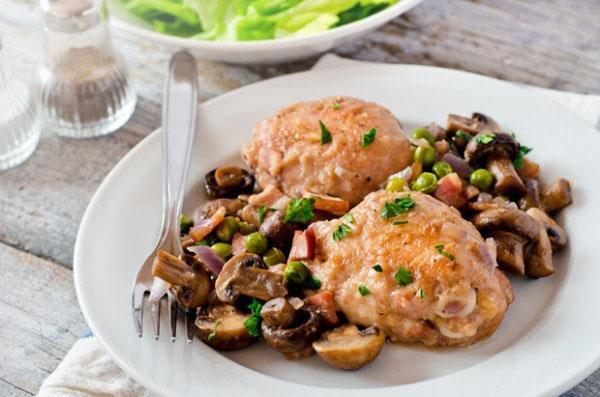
547	343
267	51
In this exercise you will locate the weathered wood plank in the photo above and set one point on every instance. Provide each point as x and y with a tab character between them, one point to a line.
39	321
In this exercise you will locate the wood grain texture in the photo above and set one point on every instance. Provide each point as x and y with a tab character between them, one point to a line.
39	320
549	43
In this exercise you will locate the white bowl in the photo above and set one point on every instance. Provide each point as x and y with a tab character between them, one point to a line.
266	51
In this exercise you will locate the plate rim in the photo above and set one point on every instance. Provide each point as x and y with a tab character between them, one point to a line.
569	379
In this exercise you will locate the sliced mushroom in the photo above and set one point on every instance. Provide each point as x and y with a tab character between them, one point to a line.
228	182
278	312
504	218
556	196
190	285
222	327
277	231
532	195
538	258
246	274
557	235
529	170
510	251
498	156
206	210
349	348
474	125
295	340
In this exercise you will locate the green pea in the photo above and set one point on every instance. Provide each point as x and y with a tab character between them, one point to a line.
274	256
222	249
256	243
246	228
295	273
441	169
423	133
227	229
481	178
425	155
395	184
425	183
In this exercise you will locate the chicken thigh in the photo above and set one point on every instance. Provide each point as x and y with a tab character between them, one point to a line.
419	272
292	151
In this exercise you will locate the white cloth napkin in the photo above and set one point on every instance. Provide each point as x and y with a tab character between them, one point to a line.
88	370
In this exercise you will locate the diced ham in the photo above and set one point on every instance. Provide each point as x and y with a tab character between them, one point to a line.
332	205
238	244
325	304
450	191
303	245
205	226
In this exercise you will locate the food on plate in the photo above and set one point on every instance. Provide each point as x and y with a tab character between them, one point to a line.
339	146
225	20
437	284
346	233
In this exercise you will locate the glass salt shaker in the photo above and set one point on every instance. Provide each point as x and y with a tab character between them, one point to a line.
85	87
19	119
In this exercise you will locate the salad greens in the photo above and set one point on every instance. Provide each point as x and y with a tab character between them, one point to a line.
243	20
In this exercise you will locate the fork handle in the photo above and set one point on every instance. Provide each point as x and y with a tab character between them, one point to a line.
180	103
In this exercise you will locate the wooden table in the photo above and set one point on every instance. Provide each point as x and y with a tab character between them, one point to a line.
549	43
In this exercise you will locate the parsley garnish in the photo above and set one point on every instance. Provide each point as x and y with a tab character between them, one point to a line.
399	206
485	138
313	283
337	106
262	211
403	276
299	210
440	249
421	294
252	324
368	138
523	151
214	331
342	231
185	223
325	134
364	291
403	222
377	268
462	135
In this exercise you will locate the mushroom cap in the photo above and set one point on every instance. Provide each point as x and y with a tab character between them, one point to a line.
503	145
296	337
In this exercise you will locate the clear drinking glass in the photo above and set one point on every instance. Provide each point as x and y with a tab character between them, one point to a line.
19	121
85	87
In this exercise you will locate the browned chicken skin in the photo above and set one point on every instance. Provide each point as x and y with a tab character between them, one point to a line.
456	297
286	149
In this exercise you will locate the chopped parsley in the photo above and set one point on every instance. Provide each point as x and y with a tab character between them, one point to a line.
185	223
368	138
349	218
262	212
523	151
252	324
313	283
460	134
299	210
403	276
399	206
485	138
337	106
214	331
342	231
402	222
377	268
364	291
440	249
421	293
325	134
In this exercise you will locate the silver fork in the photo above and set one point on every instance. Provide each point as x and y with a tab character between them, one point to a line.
180	102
